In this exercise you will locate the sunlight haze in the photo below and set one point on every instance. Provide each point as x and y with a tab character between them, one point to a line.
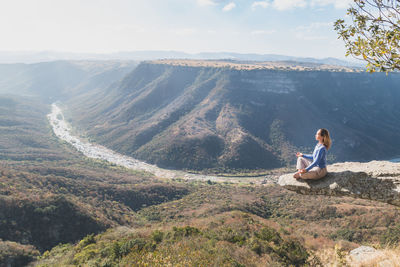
289	27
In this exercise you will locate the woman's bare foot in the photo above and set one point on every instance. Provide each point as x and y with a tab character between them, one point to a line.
296	175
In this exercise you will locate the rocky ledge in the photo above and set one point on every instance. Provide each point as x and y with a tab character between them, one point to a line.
375	180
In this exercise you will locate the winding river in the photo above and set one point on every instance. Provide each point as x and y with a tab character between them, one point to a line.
63	131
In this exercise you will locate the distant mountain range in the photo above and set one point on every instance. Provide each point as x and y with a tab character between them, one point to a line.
35	57
59	80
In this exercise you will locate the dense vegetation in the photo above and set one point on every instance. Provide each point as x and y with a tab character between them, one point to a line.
227	225
235	239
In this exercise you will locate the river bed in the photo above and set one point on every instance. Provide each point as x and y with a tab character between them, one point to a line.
63	131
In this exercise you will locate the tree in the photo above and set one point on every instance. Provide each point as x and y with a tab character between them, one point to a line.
374	33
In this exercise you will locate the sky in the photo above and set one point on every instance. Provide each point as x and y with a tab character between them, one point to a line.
301	28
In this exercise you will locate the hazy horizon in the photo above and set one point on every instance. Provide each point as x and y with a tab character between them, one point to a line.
299	28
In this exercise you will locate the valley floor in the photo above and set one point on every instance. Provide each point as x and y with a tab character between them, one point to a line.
63	131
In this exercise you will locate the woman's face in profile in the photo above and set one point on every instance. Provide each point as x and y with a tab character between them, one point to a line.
318	136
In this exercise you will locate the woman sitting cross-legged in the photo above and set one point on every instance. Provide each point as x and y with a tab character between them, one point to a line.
314	166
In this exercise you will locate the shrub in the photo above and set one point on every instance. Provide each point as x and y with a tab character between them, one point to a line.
89	239
120	249
89	252
233	236
116	250
391	237
292	252
157	236
186	231
269	234
345	234
260	247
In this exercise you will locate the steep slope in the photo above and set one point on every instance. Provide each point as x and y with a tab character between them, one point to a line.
185	116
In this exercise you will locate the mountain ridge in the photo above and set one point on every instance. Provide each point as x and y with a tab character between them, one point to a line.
45	56
200	117
59	80
257	65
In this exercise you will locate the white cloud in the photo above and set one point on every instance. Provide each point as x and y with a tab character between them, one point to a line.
310	37
262	32
123	28
184	31
338	4
342	4
288	4
262	4
229	7
312	32
314	26
206	2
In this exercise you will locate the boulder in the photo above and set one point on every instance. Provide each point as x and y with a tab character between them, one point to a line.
369	256
375	180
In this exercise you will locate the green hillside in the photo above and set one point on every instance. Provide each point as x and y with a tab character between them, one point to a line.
226	225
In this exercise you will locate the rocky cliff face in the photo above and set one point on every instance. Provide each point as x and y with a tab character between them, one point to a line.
202	116
375	180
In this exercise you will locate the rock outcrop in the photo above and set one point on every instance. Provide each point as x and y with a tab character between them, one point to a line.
375	180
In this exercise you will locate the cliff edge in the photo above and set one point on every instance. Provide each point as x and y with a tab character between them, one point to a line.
375	180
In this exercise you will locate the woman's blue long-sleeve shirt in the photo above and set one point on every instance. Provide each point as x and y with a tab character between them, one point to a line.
318	157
